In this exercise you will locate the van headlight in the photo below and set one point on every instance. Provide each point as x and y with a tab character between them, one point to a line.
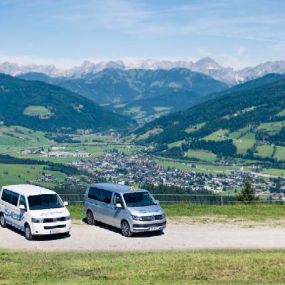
37	221
67	218
136	218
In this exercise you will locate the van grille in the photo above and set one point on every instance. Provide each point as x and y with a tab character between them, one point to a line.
54	227
54	220
152	218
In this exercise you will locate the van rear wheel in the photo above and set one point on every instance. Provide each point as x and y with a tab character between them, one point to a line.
2	221
126	229
90	218
28	233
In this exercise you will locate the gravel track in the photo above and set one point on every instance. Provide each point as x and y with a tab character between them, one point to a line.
177	236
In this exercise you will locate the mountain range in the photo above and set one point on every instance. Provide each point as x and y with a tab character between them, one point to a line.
41	106
246	120
205	65
142	94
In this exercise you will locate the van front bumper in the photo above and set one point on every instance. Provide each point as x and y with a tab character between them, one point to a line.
148	226
51	228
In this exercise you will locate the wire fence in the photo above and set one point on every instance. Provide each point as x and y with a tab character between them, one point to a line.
213	199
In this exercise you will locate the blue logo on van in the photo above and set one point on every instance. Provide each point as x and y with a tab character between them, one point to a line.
14	215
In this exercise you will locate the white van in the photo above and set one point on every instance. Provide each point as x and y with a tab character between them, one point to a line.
34	210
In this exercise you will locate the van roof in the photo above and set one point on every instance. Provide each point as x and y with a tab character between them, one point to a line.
117	188
28	189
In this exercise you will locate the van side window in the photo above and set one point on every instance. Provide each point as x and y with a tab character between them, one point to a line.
94	193
6	196
117	199
14	198
105	196
23	201
10	197
101	195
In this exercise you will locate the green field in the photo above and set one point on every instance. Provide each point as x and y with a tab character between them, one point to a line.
244	142
201	155
197	167
195	128
281	114
280	153
239	133
274	171
22	173
41	112
264	150
271	128
173	267
149	133
219	135
91	138
15	138
175	144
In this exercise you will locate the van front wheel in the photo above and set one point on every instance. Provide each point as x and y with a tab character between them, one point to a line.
126	229
90	218
28	233
2	221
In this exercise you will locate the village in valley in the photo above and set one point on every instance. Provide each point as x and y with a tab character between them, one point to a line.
142	168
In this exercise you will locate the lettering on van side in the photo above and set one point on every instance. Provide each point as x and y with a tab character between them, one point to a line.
14	215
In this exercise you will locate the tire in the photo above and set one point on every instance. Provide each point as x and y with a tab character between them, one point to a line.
90	218
28	233
2	221
126	229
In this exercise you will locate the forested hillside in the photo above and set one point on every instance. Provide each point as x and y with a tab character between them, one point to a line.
46	107
247	122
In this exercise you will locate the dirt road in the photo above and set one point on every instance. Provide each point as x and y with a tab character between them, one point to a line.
176	237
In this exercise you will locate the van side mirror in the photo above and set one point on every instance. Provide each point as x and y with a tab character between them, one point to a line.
156	202
65	203
119	206
22	207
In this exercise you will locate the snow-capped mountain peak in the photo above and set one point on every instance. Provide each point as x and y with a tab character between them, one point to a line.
16	69
205	65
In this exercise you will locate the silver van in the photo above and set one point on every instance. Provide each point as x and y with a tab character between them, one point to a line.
130	210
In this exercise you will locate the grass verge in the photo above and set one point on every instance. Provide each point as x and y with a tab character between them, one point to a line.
254	212
190	267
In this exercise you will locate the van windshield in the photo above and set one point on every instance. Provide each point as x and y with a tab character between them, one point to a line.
138	199
45	201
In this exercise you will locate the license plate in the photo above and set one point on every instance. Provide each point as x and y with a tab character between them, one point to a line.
55	231
154	228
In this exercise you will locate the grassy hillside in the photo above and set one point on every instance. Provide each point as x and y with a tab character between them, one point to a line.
40	106
248	122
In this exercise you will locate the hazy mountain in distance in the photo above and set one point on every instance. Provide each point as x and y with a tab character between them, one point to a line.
120	86
16	69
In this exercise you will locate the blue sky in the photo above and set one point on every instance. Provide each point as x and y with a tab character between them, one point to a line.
236	33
